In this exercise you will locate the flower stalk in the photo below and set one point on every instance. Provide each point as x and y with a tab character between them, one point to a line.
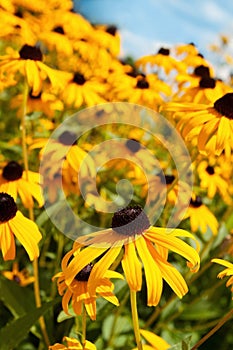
133	301
31	213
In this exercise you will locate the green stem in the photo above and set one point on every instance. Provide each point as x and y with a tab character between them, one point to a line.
31	214
117	313
60	247
213	330
133	300
84	324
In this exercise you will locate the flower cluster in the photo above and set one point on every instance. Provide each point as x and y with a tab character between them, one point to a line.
54	63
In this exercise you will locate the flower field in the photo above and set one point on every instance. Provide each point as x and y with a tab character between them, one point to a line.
116	193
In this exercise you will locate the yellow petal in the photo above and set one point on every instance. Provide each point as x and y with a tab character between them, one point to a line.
155	340
152	272
81	260
27	233
171	275
101	267
7	242
132	267
169	241
33	76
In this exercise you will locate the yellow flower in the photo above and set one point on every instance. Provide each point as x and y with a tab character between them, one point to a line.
77	291
20	277
156	342
212	126
212	180
28	61
44	102
81	91
16	29
15	181
107	37
141	89
54	153
131	229
227	272
13	223
163	60
206	90
73	344
201	217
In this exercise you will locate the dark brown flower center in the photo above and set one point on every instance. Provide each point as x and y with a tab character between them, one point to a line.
29	52
202	71
196	203
68	138
133	145
84	274
111	30
59	30
16	279
12	171
207	83
130	221
35	97
142	84
100	113
224	105
210	170
79	79
169	179
164	51
8	207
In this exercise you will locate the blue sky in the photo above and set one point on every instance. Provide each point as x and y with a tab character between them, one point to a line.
146	25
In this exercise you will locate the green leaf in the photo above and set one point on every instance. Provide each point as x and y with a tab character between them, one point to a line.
19	300
14	332
201	310
121	325
185	344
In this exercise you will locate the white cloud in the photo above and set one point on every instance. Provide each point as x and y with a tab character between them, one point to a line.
139	45
214	12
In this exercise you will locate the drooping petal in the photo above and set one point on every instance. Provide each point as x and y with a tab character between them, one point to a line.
153	274
223	262
80	260
7	242
33	76
223	133
132	267
101	267
155	340
171	275
159	236
27	233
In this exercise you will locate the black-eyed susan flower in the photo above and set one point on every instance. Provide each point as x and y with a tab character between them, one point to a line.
163	60
143	244
17	182
147	90
14	224
45	102
28	61
226	272
211	125
65	148
73	344
212	181
156	342
206	90
77	291
21	277
107	37
81	91
201	217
